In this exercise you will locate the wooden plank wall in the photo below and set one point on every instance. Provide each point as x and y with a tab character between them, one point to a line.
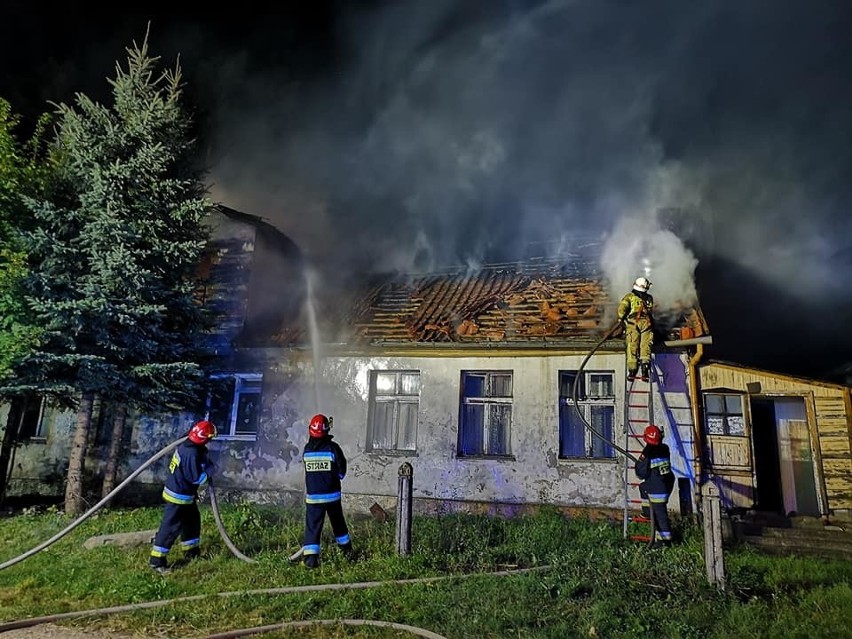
832	408
834	444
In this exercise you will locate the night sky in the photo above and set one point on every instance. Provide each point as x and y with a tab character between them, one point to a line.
709	143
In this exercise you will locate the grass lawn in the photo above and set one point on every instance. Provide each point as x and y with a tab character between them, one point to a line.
589	582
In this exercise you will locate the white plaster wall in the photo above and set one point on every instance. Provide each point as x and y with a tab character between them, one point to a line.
271	467
533	475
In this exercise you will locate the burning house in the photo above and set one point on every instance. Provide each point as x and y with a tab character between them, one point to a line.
468	375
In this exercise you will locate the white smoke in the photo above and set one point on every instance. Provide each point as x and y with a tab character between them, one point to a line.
460	132
638	247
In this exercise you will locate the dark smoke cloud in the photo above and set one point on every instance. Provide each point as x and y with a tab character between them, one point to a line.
698	140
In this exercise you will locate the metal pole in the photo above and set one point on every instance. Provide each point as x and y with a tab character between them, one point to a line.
403	510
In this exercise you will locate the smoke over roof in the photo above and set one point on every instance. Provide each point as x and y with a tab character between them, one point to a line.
695	139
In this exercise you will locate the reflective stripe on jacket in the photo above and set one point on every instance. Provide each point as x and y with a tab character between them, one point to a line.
325	466
655	468
187	471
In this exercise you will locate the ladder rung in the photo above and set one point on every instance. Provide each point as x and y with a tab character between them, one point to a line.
639	519
634	501
640	538
638	391
637	406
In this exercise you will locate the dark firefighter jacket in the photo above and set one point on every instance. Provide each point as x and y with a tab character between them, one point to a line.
655	468
187	471
637	308
325	466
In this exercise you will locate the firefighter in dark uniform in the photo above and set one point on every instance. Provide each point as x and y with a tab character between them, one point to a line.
635	312
654	468
325	466
187	472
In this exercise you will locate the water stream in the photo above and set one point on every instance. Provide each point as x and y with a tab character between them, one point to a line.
313	330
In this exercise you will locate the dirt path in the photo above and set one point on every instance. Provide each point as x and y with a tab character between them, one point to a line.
51	631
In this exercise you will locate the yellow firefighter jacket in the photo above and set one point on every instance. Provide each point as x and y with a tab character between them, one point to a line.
637	310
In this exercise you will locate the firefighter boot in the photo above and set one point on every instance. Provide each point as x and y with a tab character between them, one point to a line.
311	561
192	553
159	565
645	375
631	374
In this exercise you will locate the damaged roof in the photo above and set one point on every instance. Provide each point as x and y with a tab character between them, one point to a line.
536	302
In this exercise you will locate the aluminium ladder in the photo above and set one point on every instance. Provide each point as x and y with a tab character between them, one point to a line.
638	414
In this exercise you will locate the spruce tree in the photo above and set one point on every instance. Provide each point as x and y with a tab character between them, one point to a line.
118	254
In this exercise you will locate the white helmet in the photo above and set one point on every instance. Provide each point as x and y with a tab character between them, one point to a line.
642	284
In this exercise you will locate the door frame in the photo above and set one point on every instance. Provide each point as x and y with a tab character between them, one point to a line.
813	439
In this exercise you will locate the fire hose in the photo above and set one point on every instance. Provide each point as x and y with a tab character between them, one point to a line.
361	585
103	502
575	389
592	429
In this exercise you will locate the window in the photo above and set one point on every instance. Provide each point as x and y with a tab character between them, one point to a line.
234	404
596	402
723	414
486	413
31	425
394	406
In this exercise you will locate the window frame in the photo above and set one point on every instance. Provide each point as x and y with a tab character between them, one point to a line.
586	403
396	398
487	401
725	414
37	433
240	379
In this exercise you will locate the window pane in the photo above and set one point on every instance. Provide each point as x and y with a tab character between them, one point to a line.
407	425
500	419
221	400
734	404
715	404
501	385
248	414
596	402
736	425
602	422
473	422
572	433
410	384
394	407
566	382
715	425
474	385
600	385
383	425
250	384
385	383
30	425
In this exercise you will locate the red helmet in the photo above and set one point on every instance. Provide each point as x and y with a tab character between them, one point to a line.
653	435
319	426
201	432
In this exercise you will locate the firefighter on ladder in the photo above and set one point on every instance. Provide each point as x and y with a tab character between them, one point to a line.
635	312
654	468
